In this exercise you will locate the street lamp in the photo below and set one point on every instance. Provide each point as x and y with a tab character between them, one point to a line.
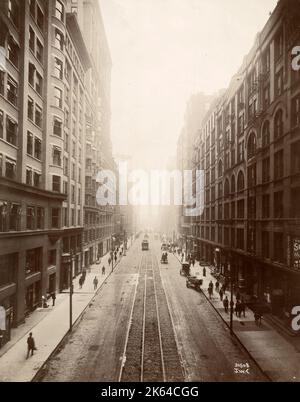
231	294
112	253
125	243
67	259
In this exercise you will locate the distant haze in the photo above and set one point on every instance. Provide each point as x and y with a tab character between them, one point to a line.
163	51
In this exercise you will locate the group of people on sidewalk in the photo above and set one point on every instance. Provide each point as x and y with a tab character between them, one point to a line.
239	306
31	346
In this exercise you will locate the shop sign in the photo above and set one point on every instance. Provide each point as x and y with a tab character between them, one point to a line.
296	254
2	318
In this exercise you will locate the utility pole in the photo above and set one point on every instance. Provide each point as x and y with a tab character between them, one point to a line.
71	292
231	295
112	254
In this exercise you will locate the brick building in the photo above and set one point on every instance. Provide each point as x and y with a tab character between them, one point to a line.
54	105
248	146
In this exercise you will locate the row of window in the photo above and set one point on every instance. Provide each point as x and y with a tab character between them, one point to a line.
8	130
7	167
10	217
35	45
96	234
10	89
35	79
34	146
236	209
72	53
33	264
236	239
67	222
278	171
34	112
252	142
36	14
33	177
93	218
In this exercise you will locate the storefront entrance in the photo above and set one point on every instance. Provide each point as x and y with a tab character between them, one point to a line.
32	297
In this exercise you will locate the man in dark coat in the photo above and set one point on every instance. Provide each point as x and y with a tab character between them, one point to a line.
30	345
53	295
225	304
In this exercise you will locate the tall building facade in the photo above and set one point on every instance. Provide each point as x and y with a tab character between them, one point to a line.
196	109
249	148
98	219
54	116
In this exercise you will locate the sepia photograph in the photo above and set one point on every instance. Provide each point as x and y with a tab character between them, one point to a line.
149	194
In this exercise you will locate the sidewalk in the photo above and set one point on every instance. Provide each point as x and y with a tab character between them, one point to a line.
277	357
49	326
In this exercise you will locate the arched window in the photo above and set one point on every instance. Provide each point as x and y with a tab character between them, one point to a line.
251	147
266	134
226	188
220	168
240	181
233	184
278	124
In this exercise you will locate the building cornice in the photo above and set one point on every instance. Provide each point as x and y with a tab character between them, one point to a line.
12	185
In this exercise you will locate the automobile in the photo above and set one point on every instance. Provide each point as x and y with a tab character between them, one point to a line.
194	283
164	247
185	269
145	245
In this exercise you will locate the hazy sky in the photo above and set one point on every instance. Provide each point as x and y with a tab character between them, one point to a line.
163	51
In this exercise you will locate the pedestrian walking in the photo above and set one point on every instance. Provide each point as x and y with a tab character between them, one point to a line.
80	282
53	295
211	285
221	293
257	318
204	271
30	345
217	286
210	292
225	304
95	282
242	307
193	262
237	308
116	257
103	270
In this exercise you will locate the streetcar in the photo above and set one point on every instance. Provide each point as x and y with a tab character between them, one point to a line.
164	258
145	245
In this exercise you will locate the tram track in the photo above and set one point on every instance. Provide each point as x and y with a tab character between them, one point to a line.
150	352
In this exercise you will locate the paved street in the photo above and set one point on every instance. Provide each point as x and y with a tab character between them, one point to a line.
49	326
182	336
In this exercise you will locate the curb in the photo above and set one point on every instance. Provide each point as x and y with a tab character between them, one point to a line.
233	334
39	374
